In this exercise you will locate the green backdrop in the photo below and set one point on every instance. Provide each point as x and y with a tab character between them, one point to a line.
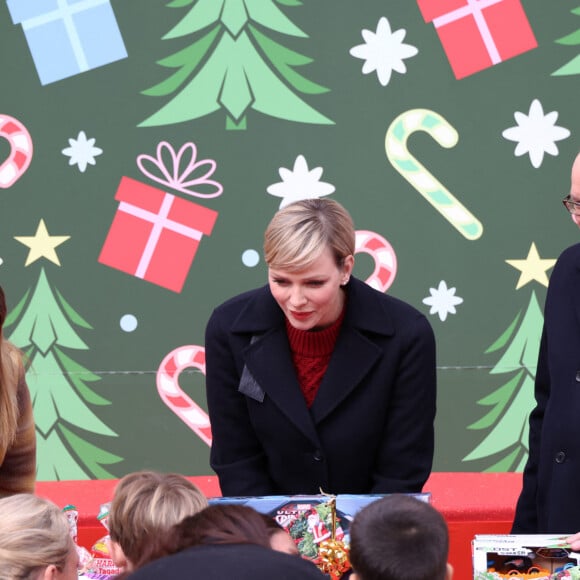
446	127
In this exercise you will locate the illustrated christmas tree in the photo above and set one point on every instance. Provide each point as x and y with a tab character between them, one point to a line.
44	328
506	444
234	63
573	66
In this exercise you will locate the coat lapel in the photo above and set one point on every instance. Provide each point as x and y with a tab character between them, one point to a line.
355	353
352	359
269	361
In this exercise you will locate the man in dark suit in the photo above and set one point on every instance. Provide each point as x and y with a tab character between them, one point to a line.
550	499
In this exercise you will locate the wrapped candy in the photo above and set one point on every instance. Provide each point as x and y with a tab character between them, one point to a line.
103	515
85	557
102	566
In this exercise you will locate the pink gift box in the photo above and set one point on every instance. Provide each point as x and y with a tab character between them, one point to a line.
477	34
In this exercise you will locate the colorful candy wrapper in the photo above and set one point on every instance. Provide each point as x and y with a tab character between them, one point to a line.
102	566
85	557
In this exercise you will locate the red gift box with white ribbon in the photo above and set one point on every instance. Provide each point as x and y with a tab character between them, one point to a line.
478	34
155	234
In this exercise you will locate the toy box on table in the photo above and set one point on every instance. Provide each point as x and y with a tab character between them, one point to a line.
314	522
537	556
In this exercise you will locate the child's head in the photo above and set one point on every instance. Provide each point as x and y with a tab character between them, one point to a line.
146	504
229	524
399	536
222	524
35	540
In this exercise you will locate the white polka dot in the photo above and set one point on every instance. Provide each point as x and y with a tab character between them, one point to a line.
250	258
128	323
1	261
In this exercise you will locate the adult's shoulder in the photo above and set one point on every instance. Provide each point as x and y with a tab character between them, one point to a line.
239	301
371	310
567	265
252	311
570	255
242	561
363	294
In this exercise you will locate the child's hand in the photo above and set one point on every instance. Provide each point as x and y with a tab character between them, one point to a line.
574	542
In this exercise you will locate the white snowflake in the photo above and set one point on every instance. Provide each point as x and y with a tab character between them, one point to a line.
384	51
442	300
300	183
82	151
536	133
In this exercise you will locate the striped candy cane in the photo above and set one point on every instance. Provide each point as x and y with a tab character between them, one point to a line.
419	177
20	154
172	394
383	255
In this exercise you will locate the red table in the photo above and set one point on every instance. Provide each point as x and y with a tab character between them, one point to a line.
472	503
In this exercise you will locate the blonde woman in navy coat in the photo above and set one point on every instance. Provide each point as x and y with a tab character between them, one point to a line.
317	381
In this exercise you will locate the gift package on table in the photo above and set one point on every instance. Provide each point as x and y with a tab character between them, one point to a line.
318	524
535	556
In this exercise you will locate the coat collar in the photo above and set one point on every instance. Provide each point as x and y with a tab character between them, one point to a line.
365	311
269	361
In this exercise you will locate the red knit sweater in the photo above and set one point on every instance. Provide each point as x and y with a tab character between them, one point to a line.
311	352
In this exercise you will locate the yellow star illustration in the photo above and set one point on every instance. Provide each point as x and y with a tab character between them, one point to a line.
41	244
532	268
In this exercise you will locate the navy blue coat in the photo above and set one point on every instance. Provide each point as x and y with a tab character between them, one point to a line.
370	428
550	498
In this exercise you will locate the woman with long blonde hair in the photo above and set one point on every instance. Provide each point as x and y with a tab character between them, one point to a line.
17	432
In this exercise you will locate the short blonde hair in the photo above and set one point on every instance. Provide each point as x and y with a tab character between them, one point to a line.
299	233
146	504
34	534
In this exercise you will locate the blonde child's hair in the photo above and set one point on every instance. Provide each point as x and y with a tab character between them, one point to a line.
146	504
34	534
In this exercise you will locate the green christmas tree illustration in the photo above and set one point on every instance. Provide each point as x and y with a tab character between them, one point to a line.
235	63
45	329
506	444
573	66
511	403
